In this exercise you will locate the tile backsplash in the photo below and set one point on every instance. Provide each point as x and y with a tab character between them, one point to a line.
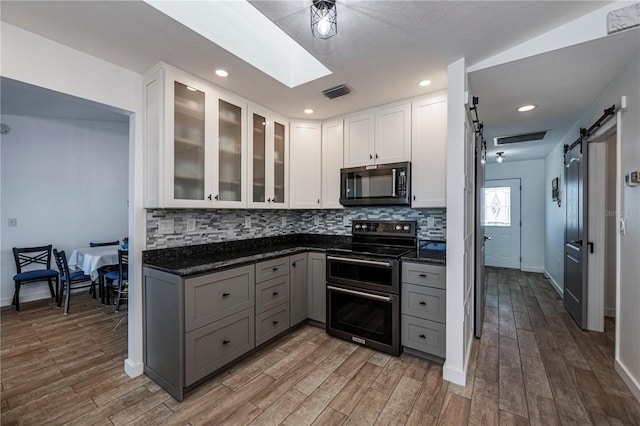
213	226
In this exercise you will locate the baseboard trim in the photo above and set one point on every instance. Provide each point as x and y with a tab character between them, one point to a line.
455	375
628	379
532	269
133	369
24	298
554	284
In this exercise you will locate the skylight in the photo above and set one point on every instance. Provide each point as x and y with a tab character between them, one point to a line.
241	29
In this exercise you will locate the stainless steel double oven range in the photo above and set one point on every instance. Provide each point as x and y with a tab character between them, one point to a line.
363	284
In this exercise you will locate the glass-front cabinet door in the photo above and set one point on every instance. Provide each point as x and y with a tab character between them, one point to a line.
231	150
189	134
268	142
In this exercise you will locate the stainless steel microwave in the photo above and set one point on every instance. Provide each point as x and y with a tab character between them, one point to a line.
376	185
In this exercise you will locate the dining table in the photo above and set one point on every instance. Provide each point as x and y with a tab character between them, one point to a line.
90	259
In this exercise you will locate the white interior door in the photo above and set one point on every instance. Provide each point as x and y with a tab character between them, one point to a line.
502	223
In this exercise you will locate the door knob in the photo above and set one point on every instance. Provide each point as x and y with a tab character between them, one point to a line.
486	237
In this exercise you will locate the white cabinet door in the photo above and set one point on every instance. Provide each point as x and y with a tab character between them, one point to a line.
305	147
332	162
317	289
429	149
268	169
358	140
393	134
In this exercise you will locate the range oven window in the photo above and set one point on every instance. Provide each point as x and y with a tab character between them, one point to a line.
365	318
346	272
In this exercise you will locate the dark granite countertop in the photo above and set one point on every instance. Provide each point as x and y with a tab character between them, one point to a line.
206	258
430	252
419	256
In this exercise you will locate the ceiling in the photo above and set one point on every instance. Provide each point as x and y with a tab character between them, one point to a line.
382	49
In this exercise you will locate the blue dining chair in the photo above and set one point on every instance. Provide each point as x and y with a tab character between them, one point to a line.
102	271
68	278
121	275
27	258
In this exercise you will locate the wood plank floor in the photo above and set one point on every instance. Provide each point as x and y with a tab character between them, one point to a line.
532	366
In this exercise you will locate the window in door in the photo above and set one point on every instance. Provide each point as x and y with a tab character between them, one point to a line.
497	206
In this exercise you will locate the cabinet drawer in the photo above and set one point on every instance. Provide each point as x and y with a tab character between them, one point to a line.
424	302
272	269
211	347
422	274
271	323
423	335
212	297
272	293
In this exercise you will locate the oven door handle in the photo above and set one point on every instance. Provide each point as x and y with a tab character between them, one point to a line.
365	262
387	299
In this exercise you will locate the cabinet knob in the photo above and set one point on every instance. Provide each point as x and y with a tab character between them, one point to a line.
293	264
268	200
217	197
423	275
414	198
422	336
275	293
275	323
274	269
423	303
209	197
318	200
376	156
226	342
370	157
226	294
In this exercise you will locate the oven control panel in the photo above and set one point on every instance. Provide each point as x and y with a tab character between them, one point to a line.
384	227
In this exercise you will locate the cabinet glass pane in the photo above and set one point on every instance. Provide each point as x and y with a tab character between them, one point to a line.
188	166
230	152
278	160
259	145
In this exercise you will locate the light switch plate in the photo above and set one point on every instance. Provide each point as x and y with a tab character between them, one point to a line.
247	222
191	224
346	221
316	221
284	221
13	222
165	226
431	222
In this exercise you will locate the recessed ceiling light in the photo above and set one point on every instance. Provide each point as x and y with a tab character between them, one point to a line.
222	73
424	83
525	108
308	111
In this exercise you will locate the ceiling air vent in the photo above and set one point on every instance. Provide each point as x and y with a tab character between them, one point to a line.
525	137
335	92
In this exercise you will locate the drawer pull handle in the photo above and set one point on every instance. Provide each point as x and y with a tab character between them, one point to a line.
423	303
422	336
226	294
226	342
275	293
423	275
274	269
275	323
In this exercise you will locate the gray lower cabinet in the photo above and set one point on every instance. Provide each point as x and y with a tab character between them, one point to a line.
271	323
423	308
272	293
317	287
298	288
194	326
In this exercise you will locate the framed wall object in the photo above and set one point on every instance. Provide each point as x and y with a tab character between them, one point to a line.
555	190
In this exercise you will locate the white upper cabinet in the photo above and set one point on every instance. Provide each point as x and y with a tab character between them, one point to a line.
268	151
378	137
429	147
359	140
190	132
332	162
305	159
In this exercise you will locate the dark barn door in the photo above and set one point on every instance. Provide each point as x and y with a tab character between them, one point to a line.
576	228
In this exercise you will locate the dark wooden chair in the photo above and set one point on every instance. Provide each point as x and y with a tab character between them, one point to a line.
33	264
120	289
104	269
68	279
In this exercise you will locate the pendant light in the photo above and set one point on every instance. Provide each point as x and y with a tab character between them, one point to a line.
324	23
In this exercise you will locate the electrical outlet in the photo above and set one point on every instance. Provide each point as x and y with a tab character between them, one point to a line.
13	222
165	226
346	221
191	224
316	220
284	221
247	222
431	222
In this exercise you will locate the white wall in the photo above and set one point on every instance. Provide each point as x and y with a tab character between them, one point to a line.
532	207
33	59
66	181
626	83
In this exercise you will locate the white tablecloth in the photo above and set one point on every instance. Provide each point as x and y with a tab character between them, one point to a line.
90	259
